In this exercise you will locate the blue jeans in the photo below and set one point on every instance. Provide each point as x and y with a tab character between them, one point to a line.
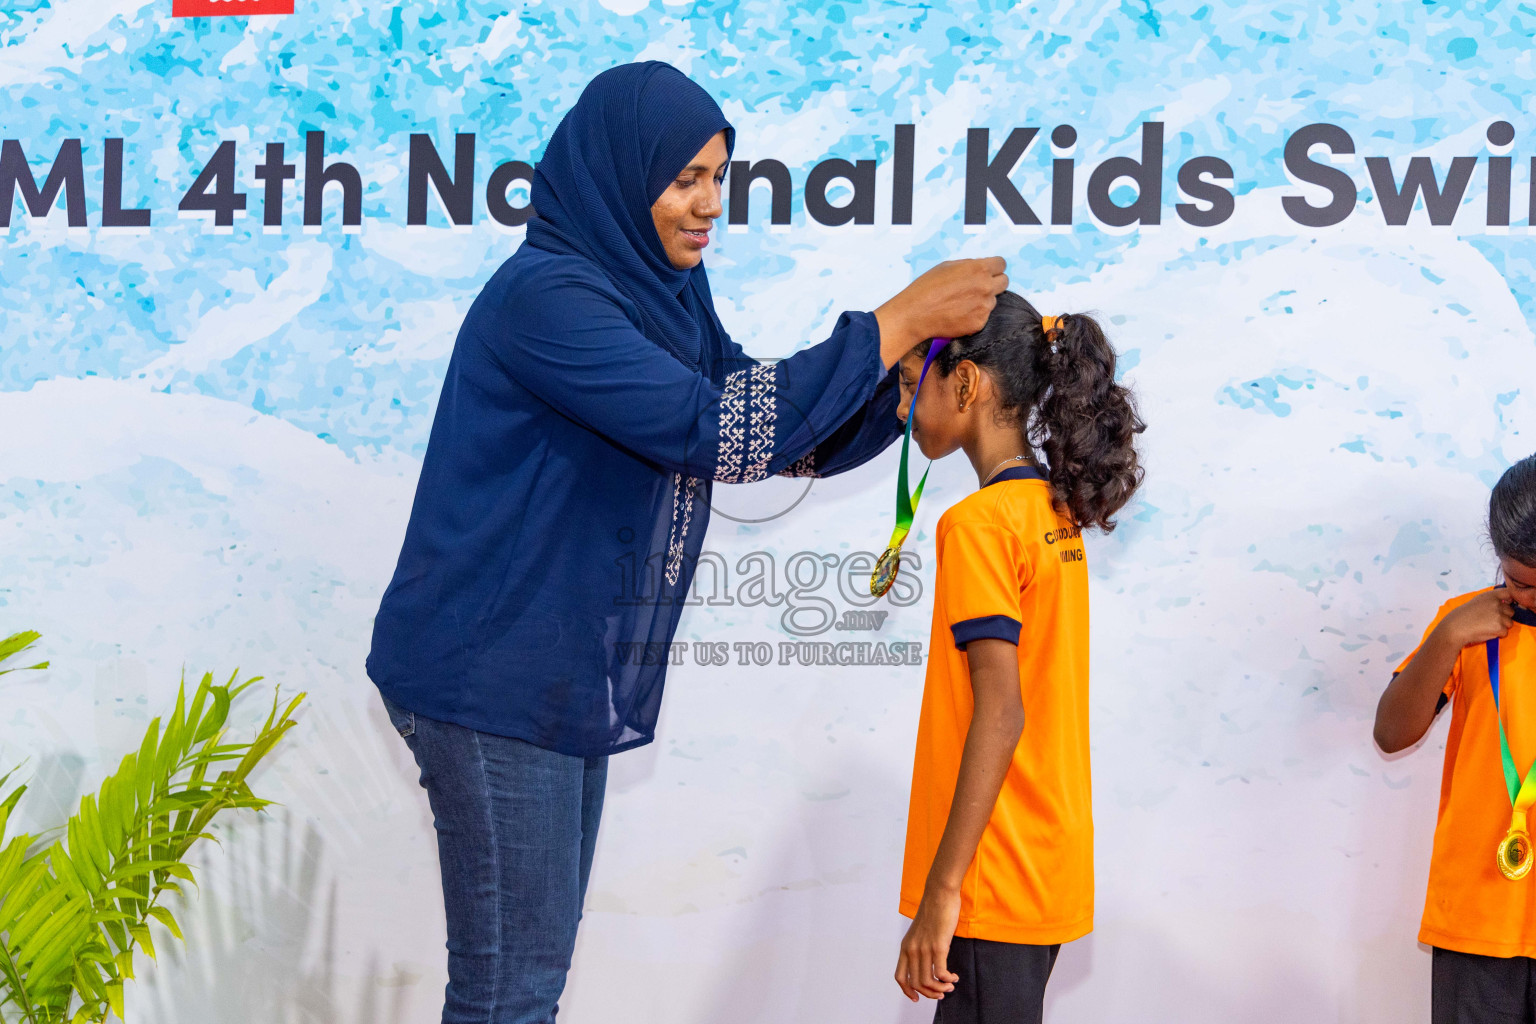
516	826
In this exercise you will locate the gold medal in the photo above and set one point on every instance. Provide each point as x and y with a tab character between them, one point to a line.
1514	854
885	571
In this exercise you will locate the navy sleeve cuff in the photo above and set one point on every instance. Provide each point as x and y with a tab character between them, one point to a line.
997	627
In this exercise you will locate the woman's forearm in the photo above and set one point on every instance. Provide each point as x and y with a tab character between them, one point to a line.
898	331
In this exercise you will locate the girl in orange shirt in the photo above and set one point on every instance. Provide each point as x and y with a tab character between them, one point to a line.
1479	654
999	857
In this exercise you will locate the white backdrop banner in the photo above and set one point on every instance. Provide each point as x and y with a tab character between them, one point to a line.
235	254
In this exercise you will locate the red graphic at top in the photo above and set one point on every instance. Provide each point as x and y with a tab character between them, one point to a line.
218	8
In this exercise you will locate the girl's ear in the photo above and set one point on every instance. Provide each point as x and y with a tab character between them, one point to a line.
967	378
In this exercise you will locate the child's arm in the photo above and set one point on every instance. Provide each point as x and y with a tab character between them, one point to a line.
997	722
1408	706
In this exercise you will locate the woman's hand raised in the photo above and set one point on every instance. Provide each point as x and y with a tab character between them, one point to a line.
951	300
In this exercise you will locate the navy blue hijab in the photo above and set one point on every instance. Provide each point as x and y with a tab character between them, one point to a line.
612	156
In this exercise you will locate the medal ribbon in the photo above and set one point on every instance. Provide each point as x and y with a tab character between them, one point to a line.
906	502
1522	793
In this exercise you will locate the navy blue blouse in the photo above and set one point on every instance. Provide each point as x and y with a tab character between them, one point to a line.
591	401
568	450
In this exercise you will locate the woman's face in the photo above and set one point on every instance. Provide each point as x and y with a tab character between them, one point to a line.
687	210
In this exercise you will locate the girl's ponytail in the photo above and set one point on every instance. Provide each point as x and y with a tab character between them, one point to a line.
1085	422
1055	378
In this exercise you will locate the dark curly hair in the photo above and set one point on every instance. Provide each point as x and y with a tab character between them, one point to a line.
1062	393
1511	512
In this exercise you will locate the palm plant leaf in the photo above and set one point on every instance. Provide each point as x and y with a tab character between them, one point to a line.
14	645
73	912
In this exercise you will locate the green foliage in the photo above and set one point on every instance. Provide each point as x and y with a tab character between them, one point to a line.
74	910
14	645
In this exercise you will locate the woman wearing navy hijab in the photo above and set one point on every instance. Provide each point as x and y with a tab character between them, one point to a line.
591	400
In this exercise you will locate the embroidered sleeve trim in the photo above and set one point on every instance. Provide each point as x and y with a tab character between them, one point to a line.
748	425
803	466
683	490
733	407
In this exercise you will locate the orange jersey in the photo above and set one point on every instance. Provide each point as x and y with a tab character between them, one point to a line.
1470	907
1010	566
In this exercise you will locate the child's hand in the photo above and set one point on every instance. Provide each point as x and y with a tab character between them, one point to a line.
922	967
1481	619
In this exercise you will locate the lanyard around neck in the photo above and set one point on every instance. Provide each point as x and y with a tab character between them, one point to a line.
889	563
906	502
1522	793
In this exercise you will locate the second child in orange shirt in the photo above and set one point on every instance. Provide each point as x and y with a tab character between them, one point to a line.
1479	656
998	868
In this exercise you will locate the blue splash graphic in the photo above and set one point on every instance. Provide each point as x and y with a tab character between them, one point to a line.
211	441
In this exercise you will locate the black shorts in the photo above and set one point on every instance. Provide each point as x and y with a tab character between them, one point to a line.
1000	982
1468	988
